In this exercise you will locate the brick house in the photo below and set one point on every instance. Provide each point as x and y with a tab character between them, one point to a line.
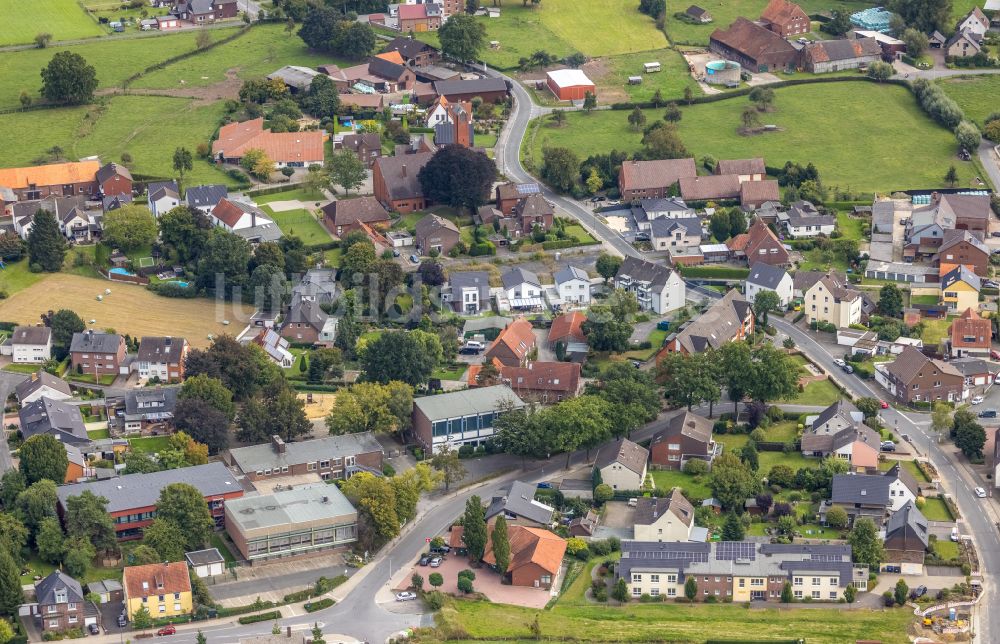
330	457
533	211
61	602
60	179
727	320
162	358
205	11
756	48
395	182
652	179
686	436
963	248
785	18
114	179
417	18
307	323
510	194
413	51
971	335
432	232
535	556
344	216
367	147
513	344
907	539
913	377
94	353
759	244
542	382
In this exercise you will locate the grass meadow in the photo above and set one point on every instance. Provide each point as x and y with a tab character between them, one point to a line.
978	96
64	19
859	135
300	223
671	81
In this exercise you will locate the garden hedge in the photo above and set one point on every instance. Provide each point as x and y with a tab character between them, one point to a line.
260	617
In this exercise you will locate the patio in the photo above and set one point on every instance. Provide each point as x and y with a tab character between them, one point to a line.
487	582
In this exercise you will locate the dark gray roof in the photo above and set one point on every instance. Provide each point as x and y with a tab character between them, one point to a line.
719	324
114	202
972	366
205	196
648	510
58	206
143	490
471	279
306	312
643	271
899	472
95	342
41	379
46	589
845	49
867	489
109	170
961	273
521	501
204	557
686	424
474	86
909	525
766	276
664	227
400	174
264	455
625	453
31	335
161	350
385	68
151	403
570	273
408	48
153	186
517	276
444	133
259	233
318	283
468	402
60	419
844	410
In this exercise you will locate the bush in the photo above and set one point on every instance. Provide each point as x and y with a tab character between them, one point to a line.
312	607
260	617
603	493
434	600
695	467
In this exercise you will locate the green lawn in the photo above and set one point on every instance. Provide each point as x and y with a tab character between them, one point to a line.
15	276
767	460
63	19
22	368
332	257
301	224
655	338
724	13
138	125
299	194
449	372
936	509
105	380
934	331
976	95
35	566
909	466
114	60
149	444
671	81
924	299
946	549
218	542
578	231
851	227
669	479
260	51
96	434
872	117
819	392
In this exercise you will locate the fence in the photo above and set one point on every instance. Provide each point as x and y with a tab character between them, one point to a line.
119	277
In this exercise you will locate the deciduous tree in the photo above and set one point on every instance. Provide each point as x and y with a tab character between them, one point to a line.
130	227
202	422
450	465
866	547
458	176
166	538
347	170
462	37
397	356
87	518
183	161
607	266
42	456
764	303
69	79
185	506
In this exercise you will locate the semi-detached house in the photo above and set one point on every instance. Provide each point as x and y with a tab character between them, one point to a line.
97	354
913	377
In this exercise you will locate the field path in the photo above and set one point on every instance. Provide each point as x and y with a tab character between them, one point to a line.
205	95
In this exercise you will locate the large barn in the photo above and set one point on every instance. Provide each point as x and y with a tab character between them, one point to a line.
569	84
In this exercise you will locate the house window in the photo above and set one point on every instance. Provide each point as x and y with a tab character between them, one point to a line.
798	594
53	623
655	592
816	581
815	594
671	579
311	467
833	594
671	592
177	607
797	581
636	579
637	592
654	579
163	608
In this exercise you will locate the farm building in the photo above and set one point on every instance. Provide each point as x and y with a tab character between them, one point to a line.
569	84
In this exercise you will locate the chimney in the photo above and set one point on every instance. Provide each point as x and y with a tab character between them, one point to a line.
403	170
935	196
278	444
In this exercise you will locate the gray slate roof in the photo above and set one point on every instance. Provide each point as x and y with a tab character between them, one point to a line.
205	196
867	489
766	276
521	501
643	271
31	335
160	350
664	227
961	273
570	273
41	379
910	526
259	457
471	279
400	174
142	490
60	419
95	342
648	510
153	404
306	312
468	402
474	86
517	276
624	452
45	590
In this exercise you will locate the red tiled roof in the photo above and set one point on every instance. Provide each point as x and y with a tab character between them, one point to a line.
536	376
227	212
711	187
235	139
756	42
759	236
782	12
568	327
738	242
412	11
517	336
645	175
530	545
53	174
971	325
759	191
160	579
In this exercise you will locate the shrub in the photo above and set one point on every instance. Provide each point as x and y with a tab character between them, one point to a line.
260	617
312	607
695	467
467	573
465	585
603	493
434	600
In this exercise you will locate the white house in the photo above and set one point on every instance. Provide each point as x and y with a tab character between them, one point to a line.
658	288
573	285
975	22
276	348
237	215
42	385
668	518
163	198
764	277
31	344
79	225
804	220
522	287
622	465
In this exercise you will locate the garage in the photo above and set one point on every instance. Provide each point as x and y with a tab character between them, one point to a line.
569	84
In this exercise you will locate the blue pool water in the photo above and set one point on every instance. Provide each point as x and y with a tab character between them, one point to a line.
179	283
120	271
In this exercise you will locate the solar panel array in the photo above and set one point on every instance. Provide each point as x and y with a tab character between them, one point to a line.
826	557
732	550
527	188
679	555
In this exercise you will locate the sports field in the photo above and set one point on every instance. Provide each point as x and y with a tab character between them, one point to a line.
724	13
978	96
64	19
128	309
147	127
845	129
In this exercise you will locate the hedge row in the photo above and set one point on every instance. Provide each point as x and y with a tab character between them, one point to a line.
715	272
260	617
565	243
312	607
286	187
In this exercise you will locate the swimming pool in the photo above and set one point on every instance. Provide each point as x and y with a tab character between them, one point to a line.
178	283
121	271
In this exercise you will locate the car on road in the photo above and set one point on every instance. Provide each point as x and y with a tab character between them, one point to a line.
405	596
169	629
848	368
424	561
436	562
840	363
414	259
988	413
94	629
122	622
995	355
918	592
977	400
887	446
395	252
981	493
883	404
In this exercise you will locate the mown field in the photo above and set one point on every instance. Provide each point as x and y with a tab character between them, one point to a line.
978	96
611	76
859	135
147	127
64	19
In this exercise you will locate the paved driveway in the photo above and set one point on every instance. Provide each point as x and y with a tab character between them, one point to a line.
487	582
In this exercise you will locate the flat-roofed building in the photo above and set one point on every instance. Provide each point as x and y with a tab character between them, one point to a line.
461	417
329	457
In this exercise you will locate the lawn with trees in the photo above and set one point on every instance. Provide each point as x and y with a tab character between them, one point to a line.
873	117
976	95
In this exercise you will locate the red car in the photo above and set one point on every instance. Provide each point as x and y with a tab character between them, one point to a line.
167	630
884	404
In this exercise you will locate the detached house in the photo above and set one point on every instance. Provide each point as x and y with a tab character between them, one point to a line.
161	358
568	329
276	348
205	198
666	518
622	465
785	18
205	11
519	507
114	179
163	197
535	556
396	184
764	277
513	345
95	353
30	344
149	410
759	244
913	377
307	323
434	233
285	149
573	285
164	589
652	179
238	215
833	301
686	436
971	335
804	220
42	384
367	146
470	291
675	235
523	288
960	289
61	603
727	320
61	420
963	248
657	288
344	216
839	431
907	539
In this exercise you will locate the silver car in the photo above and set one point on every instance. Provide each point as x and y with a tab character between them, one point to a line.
405	596
436	562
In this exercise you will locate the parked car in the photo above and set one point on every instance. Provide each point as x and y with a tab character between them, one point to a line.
424	561
988	413
94	629
395	252
981	493
414	259
848	368
405	596
883	404
441	550
977	400
633	502
917	592
169	629
122	622
469	351
995	355
888	446
954	534
840	363
436	562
